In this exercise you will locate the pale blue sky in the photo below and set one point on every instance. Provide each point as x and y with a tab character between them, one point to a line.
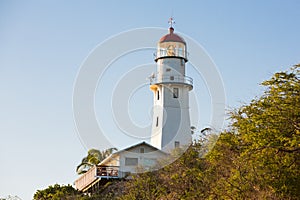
43	44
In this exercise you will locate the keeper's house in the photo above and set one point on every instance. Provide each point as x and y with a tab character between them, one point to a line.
120	164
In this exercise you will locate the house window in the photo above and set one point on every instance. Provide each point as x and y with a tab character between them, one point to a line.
142	150
156	121
157	94
172	78
175	92
177	144
131	161
168	69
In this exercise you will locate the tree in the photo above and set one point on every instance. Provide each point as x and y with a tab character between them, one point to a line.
268	140
58	192
94	157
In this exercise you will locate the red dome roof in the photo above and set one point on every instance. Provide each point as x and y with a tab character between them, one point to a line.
171	37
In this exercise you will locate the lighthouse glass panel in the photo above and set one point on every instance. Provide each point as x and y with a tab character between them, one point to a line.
171	49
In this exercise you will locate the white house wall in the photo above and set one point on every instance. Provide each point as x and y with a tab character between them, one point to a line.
150	154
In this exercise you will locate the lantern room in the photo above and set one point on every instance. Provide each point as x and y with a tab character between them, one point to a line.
171	45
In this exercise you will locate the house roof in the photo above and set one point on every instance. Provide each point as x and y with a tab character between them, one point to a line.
115	154
138	144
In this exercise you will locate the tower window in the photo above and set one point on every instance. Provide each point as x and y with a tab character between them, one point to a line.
156	121
177	144
175	92
157	94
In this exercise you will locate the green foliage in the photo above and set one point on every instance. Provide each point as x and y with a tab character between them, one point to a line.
268	130
94	157
57	192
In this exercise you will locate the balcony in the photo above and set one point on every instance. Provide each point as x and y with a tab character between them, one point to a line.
171	79
95	174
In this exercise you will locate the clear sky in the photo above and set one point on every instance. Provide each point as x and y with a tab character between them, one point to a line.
44	43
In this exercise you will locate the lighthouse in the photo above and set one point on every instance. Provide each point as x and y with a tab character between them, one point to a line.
171	119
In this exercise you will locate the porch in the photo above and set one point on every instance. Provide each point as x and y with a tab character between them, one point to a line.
94	175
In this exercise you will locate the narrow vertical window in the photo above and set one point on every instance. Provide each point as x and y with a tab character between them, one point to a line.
175	92
177	144
156	121
157	94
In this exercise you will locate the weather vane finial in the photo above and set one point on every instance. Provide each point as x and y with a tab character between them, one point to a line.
171	21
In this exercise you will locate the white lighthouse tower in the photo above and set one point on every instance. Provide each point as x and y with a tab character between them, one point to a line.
171	119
